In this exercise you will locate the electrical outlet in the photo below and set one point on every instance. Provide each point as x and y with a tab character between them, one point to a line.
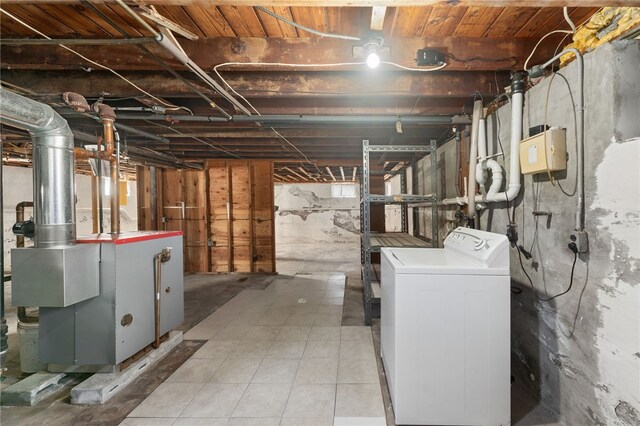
581	240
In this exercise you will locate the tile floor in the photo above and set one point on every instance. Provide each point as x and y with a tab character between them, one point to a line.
277	356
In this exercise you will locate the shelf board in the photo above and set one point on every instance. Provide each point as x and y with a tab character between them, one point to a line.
395	239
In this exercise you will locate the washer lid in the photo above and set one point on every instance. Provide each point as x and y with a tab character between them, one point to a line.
435	262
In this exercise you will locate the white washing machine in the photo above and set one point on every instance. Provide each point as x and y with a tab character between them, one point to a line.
445	330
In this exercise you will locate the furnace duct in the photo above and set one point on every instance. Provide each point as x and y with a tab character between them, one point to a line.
53	167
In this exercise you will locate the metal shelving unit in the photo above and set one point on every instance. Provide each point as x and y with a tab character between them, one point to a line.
371	241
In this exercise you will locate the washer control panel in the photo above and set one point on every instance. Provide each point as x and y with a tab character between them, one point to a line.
484	248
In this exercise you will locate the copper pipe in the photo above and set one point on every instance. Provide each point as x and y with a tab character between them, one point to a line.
22	310
114	178
20	218
94	204
160	258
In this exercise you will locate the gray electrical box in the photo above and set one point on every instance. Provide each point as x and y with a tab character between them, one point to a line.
54	277
109	328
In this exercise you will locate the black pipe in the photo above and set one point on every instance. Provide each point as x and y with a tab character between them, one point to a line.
4	344
76	41
317	119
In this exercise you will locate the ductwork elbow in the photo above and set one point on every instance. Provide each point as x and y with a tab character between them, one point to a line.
53	167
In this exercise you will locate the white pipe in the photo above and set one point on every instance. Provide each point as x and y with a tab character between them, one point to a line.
481	167
482	139
473	156
497	177
517	102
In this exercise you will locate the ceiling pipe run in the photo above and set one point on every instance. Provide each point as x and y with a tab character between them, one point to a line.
76	41
315	119
53	167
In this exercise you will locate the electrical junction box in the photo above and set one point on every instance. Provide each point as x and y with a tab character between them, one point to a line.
544	152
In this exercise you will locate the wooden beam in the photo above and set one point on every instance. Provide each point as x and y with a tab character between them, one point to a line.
331	173
377	17
269	85
370	3
210	52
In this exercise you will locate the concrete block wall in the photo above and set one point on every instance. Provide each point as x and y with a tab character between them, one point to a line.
580	353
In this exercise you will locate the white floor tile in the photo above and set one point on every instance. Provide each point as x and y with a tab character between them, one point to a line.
360	421
168	400
322	349
294	333
353	370
147	421
256	421
325	333
263	400
359	401
311	401
216	349
317	371
236	370
356	333
195	370
308	421
276	370
201	421
292	349
215	400
301	319
263	332
328	319
358	349
251	349
233	332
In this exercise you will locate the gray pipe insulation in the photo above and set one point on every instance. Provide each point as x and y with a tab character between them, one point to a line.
53	167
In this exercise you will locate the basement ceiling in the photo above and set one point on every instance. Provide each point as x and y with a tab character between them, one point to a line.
482	45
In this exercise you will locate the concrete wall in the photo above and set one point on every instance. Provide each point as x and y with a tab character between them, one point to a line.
580	354
18	186
306	213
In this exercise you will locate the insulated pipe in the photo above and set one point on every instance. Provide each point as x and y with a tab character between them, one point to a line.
53	167
473	158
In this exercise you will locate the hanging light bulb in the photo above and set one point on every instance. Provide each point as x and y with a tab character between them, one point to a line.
373	60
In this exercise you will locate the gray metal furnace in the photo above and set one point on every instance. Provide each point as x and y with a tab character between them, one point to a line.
111	327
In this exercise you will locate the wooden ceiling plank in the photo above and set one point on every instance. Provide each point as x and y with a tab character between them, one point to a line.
435	20
352	21
288	31
243	20
126	21
178	15
475	21
390	21
270	24
38	19
71	18
311	17
394	3
377	17
201	18
578	15
510	22
533	25
452	21
212	14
